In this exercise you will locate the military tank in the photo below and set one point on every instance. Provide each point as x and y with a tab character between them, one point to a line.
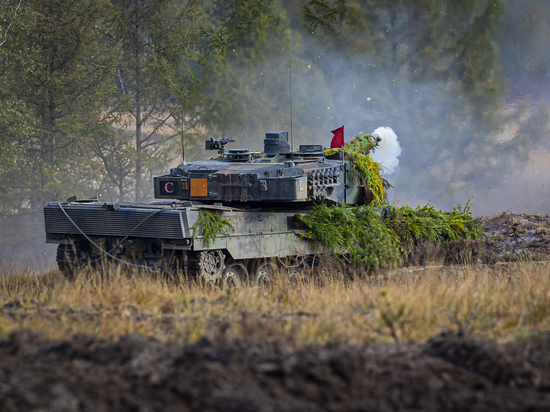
259	194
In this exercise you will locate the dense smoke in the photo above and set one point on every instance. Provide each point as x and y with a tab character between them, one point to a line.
388	150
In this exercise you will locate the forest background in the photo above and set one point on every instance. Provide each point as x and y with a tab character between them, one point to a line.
97	96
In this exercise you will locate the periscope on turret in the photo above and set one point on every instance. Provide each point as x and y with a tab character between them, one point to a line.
259	193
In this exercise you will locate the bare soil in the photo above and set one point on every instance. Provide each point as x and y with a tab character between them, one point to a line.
136	373
517	237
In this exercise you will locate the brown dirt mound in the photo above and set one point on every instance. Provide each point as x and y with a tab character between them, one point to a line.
518	237
510	238
139	373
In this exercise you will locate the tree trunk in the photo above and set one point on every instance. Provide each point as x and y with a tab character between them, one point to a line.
42	145
139	132
52	131
120	185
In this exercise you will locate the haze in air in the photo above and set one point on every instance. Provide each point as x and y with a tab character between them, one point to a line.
463	86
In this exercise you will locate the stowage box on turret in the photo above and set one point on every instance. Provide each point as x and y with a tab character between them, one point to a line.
259	195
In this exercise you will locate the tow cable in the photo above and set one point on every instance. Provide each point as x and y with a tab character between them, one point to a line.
119	243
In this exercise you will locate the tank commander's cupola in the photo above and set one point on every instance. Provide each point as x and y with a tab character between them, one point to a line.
239	155
276	143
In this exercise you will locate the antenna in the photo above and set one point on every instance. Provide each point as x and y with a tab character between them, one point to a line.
182	143
290	82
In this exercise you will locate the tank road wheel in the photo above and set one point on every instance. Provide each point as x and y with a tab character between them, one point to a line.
211	265
236	274
265	272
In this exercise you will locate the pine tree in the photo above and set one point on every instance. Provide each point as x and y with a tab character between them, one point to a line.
15	118
157	37
62	84
440	40
248	74
56	64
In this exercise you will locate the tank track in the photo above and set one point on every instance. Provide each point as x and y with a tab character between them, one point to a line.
66	258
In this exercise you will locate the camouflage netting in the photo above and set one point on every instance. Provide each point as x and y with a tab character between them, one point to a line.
413	227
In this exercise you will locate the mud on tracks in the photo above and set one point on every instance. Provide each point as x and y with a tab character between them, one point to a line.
139	373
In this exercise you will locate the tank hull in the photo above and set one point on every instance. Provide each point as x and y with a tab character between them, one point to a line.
162	236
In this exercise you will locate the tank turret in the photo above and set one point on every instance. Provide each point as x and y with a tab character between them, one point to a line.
279	176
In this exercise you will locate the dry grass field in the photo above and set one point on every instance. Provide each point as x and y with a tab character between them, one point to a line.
428	338
505	303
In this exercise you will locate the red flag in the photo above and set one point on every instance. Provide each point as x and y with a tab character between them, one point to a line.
338	138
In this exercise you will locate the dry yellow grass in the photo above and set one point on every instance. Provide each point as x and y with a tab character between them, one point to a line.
503	303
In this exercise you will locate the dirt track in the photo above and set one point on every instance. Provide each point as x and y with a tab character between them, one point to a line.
138	373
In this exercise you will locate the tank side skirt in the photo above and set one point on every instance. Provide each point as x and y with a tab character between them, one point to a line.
255	246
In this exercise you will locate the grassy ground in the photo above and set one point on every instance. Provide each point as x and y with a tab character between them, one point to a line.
505	303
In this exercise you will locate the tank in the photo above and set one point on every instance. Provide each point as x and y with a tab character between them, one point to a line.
253	196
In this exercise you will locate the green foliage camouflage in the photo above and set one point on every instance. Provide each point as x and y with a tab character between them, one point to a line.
373	243
364	168
357	231
369	172
413	227
211	224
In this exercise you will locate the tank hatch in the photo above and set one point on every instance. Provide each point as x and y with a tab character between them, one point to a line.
310	151
239	155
